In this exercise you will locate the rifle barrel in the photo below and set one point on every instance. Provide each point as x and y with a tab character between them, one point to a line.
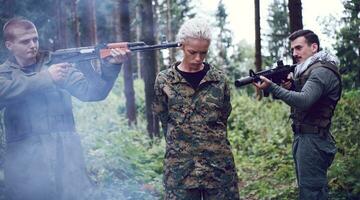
244	81
154	47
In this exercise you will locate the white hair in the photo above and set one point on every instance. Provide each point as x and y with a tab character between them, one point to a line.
196	28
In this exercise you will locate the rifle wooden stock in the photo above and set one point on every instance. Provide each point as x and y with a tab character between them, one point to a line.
105	52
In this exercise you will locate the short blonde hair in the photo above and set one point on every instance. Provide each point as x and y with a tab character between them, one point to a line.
196	28
16	22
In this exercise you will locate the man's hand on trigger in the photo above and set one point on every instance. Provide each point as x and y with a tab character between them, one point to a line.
59	72
118	55
287	84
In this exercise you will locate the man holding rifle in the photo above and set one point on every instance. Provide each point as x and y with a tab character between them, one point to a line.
317	84
44	157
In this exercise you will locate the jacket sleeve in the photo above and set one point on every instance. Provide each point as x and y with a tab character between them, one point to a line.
321	81
227	103
15	85
86	84
160	105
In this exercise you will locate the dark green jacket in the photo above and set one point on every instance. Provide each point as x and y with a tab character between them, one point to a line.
44	156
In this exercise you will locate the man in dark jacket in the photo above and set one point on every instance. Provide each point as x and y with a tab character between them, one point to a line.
317	90
44	157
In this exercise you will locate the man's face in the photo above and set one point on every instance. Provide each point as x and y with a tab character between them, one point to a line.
301	50
24	46
195	51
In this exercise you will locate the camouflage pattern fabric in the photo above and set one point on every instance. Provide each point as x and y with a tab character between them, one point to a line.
198	153
227	193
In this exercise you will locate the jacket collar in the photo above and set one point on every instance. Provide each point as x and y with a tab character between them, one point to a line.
211	76
12	63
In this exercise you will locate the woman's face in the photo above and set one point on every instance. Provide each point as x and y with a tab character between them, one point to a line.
195	51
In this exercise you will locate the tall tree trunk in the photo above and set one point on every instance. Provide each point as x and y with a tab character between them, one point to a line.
61	40
169	31
149	64
89	21
257	37
257	43
138	38
127	71
89	36
75	22
295	15
157	34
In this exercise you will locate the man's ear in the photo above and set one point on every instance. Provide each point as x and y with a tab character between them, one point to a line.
8	45
314	47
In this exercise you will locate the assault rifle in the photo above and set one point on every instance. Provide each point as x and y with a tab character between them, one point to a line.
276	75
102	51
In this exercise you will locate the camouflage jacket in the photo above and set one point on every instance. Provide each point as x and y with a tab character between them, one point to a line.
198	153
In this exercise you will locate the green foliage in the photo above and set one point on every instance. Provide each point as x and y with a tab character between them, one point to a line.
278	44
180	11
122	160
139	97
344	175
241	61
348	44
125	164
261	139
224	37
41	18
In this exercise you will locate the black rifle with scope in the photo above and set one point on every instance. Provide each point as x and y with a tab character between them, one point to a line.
276	75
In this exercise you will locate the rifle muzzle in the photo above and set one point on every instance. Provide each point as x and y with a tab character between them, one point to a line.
244	81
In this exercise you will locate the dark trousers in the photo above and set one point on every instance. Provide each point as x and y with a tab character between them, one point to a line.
225	193
313	156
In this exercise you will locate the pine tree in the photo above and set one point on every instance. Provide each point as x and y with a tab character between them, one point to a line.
278	43
348	45
224	37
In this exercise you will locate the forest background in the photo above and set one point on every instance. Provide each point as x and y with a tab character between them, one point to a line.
122	141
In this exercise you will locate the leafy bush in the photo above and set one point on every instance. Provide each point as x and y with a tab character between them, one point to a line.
344	175
122	161
125	164
261	138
